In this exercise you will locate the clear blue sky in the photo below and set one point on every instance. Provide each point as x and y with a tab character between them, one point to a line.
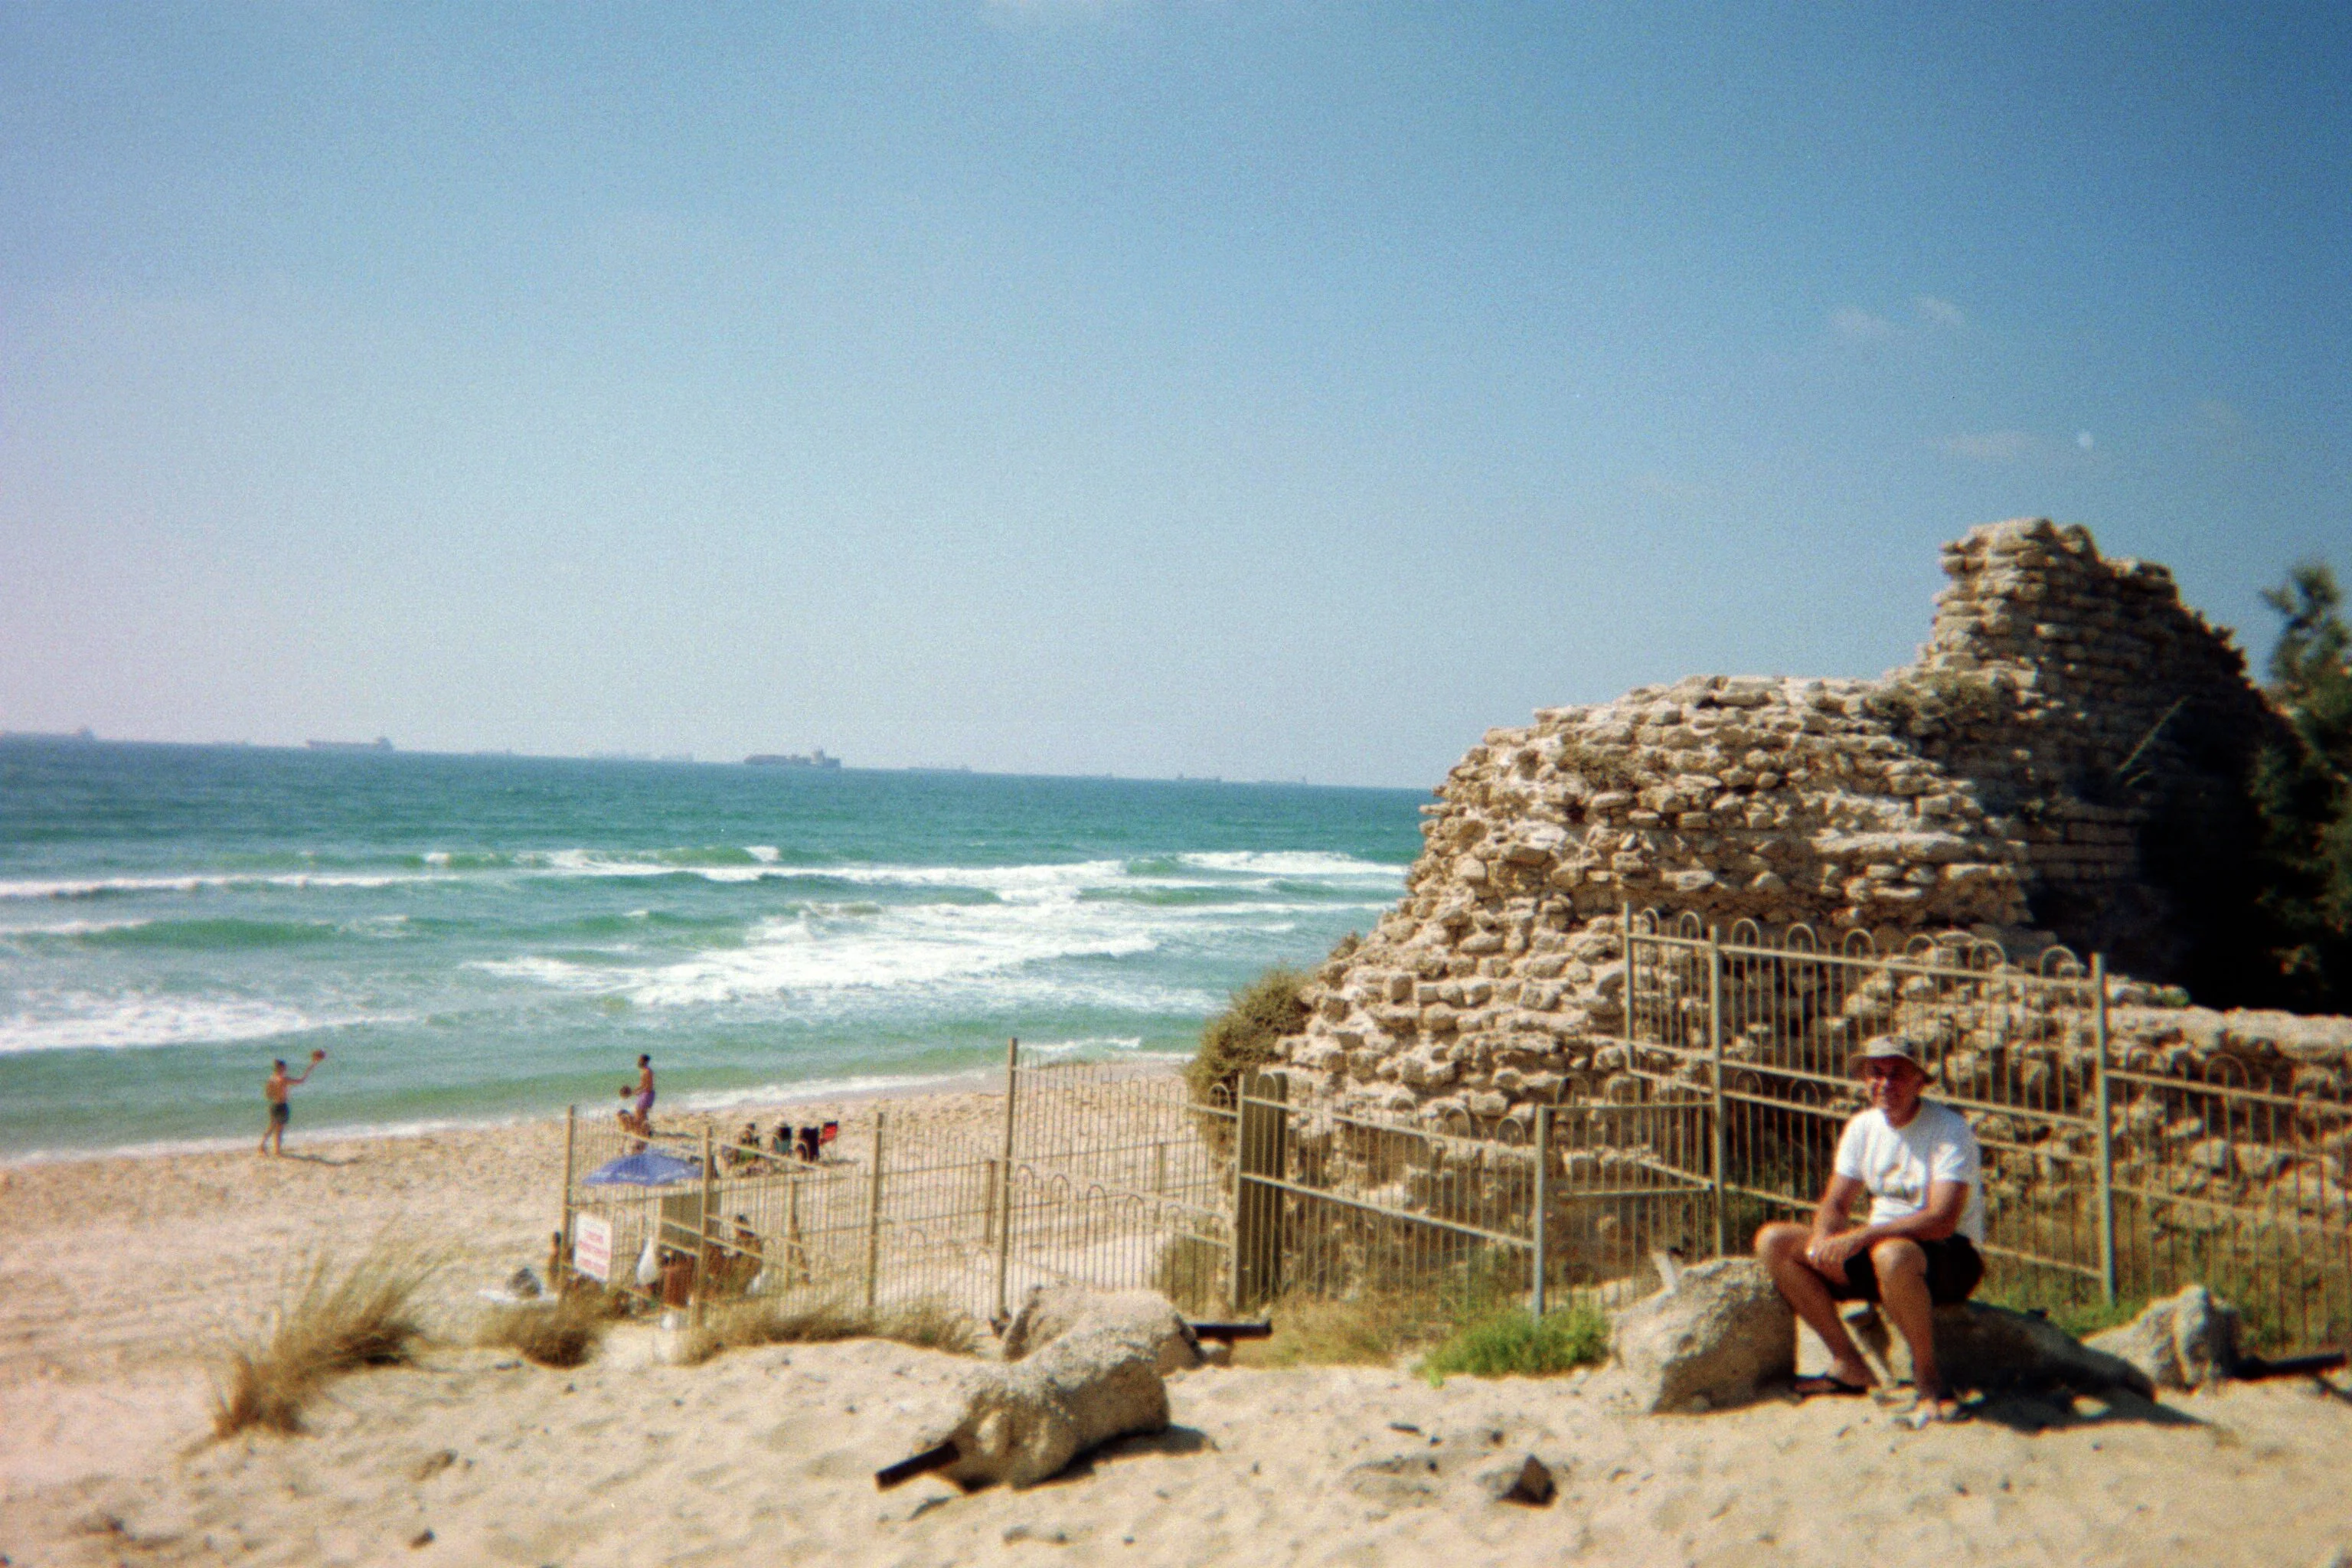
1265	390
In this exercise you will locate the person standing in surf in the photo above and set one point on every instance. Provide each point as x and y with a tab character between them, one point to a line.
275	1091
646	1096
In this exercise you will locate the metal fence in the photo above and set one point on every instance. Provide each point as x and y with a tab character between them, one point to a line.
2113	1172
1454	1213
1093	1174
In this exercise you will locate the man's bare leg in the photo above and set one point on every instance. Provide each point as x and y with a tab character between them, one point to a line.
1781	1249
1902	1292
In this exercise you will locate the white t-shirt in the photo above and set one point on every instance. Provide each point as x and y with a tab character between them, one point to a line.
1895	1164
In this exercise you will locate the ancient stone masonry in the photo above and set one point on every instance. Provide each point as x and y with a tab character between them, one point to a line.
2111	724
2063	707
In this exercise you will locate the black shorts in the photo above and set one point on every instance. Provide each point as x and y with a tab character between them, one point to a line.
279	1112
1953	1267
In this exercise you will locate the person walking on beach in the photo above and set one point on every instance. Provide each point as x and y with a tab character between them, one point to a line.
1924	1171
275	1091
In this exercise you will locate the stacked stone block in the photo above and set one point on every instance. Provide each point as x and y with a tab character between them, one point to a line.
2004	785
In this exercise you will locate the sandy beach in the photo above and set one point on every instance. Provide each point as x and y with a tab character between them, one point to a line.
120	1278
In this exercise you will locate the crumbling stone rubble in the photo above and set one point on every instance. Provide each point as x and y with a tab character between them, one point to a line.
2029	780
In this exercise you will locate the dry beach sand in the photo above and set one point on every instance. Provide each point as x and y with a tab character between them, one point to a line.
119	1278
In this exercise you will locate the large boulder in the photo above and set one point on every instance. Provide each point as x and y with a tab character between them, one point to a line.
1713	1338
2182	1341
1024	1422
1048	1312
1977	1346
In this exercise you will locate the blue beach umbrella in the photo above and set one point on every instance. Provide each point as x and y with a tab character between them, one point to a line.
647	1168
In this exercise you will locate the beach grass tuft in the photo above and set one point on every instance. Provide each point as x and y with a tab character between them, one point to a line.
1371	1330
329	1320
1512	1342
772	1320
560	1333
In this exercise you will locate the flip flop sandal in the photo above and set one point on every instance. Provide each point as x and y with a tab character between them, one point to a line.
1829	1387
1925	1412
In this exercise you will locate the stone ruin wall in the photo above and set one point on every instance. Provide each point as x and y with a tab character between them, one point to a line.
2066	716
2108	723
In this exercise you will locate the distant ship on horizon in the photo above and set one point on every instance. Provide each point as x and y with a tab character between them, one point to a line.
816	759
381	743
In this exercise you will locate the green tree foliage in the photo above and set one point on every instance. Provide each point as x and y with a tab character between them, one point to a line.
2304	790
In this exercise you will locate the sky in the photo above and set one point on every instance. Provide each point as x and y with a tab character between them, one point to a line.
1262	390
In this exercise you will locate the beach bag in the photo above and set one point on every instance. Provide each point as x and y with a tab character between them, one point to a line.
649	1266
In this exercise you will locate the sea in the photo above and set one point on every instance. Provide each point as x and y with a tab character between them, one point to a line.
479	939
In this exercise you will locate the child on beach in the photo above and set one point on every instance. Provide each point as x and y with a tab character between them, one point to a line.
275	1091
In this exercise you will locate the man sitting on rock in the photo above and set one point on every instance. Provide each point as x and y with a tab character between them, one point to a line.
1925	1175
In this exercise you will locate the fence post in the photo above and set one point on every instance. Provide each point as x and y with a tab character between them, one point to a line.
1004	1183
795	1254
873	1214
1625	923
1257	1209
570	1137
1715	1139
702	1228
1543	1202
2107	1130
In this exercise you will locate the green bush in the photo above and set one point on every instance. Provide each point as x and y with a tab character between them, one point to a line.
1243	1036
1515	1342
2303	789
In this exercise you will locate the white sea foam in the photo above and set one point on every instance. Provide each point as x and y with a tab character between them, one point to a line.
863	1085
1292	863
871	1084
1211	868
85	1021
39	888
313	1133
74	928
1019	946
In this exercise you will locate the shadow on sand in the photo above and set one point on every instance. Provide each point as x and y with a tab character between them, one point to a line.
2056	1409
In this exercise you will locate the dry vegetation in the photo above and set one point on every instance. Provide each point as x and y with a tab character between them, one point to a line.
328	1322
1309	1330
560	1333
769	1320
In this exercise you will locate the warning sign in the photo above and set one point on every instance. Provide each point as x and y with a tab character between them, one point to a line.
592	1247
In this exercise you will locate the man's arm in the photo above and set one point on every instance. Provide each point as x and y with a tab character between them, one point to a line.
1831	1217
1939	1218
1836	1208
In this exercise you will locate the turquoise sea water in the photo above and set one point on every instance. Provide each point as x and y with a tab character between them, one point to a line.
473	938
